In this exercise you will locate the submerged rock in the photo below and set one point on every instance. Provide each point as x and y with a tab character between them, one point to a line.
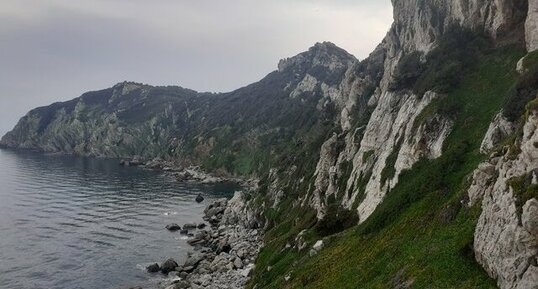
199	198
173	227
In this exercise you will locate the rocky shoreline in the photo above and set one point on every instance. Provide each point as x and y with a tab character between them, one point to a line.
192	174
223	253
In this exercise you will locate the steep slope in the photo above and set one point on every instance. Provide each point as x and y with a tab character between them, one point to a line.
375	157
222	131
440	88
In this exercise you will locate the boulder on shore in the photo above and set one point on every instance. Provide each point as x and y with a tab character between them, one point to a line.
199	198
168	266
189	226
153	268
173	227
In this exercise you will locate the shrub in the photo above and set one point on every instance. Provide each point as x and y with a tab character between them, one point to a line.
457	51
525	90
523	190
336	220
408	71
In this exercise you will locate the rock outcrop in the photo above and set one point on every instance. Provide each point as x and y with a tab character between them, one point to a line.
531	26
498	130
506	239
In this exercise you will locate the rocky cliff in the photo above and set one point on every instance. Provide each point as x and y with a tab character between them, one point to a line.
221	131
378	151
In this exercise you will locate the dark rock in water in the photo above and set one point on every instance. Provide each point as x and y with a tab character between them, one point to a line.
189	226
173	227
184	232
199	198
168	266
153	268
201	225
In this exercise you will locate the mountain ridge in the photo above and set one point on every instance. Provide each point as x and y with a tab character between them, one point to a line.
338	142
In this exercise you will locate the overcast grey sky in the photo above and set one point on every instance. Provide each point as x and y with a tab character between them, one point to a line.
54	50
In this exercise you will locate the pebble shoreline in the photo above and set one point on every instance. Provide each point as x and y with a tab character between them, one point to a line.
223	253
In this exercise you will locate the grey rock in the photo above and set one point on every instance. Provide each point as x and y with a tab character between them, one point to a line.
173	227
194	259
182	285
153	268
168	266
238	264
189	226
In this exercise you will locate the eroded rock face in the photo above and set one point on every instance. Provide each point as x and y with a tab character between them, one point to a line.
506	239
498	129
531	26
418	24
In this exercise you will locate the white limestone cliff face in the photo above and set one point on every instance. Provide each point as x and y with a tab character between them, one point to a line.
392	130
531	26
498	129
506	237
325	175
417	26
417	23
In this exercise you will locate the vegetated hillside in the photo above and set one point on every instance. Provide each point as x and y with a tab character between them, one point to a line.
417	166
239	132
421	235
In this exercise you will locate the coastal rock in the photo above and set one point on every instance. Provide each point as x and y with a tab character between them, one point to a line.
153	268
225	252
168	266
199	198
189	226
194	259
173	227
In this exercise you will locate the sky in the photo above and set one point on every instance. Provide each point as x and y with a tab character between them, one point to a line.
54	50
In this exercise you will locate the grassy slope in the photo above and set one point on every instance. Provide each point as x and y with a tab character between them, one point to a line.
406	232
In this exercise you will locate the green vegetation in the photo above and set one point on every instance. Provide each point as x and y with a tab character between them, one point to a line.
408	238
336	220
525	89
389	170
445	66
523	190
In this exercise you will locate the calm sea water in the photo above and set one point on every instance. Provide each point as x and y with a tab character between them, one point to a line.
69	222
